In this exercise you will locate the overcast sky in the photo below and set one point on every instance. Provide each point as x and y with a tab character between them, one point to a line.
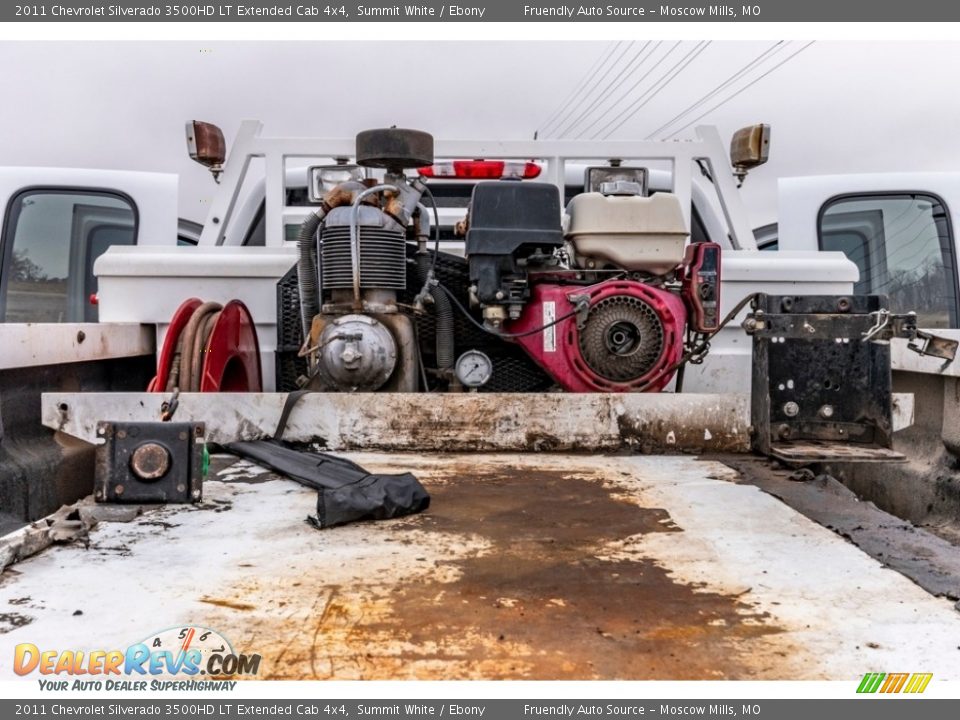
835	107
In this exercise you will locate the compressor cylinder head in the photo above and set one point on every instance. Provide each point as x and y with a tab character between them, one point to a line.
356	353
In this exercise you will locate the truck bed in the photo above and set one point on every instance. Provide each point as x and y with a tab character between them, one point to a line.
526	566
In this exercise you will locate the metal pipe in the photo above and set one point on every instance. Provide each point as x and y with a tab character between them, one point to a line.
355	238
307	279
423	235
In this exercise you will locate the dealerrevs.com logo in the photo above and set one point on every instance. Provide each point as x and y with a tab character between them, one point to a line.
173	659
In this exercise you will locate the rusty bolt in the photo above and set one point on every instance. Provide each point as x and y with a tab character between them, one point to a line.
118	489
843	304
783	431
150	461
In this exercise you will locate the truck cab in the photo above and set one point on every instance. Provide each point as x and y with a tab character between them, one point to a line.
58	221
897	228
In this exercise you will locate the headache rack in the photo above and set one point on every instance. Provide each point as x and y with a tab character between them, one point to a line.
681	159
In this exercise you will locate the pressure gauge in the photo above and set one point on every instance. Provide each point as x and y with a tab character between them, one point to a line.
474	369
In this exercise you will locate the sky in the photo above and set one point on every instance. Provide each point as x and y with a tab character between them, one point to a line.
835	107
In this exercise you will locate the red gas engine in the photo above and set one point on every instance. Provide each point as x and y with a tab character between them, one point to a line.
617	314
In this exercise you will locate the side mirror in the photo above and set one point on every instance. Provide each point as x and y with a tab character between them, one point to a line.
206	145
749	148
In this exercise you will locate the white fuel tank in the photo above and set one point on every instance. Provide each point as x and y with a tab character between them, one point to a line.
628	231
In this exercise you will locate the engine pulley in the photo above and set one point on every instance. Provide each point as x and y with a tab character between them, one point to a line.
630	337
622	338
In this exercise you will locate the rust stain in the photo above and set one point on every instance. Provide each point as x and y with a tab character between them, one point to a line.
538	599
223	602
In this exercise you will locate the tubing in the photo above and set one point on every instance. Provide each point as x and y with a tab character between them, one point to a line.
185	372
444	314
308	282
355	237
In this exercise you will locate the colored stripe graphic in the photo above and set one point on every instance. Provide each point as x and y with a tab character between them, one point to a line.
918	682
894	682
871	682
913	683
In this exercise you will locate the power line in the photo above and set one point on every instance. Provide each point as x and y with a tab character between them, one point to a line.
583	81
610	88
561	117
657	64
738	92
586	96
626	76
766	54
666	79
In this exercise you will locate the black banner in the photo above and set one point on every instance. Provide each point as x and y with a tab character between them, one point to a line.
483	11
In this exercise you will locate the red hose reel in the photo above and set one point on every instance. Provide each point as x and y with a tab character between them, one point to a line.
209	348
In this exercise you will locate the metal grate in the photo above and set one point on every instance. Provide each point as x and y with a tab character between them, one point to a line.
382	259
513	370
289	367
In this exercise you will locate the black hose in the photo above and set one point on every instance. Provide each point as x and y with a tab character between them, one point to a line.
444	315
581	305
307	280
700	347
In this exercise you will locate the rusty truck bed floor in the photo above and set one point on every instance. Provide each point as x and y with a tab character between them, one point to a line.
525	566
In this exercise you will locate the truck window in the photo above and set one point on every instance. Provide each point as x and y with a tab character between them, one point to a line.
903	245
51	238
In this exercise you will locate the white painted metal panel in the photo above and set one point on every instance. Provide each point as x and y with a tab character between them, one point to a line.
34	344
646	422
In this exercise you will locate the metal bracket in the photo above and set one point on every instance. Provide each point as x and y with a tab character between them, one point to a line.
822	384
933	346
889	325
149	462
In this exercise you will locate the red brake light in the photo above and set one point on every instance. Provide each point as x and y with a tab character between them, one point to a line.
481	170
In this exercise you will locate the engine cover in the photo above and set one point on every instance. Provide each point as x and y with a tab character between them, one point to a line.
357	353
631	332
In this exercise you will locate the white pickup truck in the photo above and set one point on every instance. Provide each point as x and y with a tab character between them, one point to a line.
638	559
890	234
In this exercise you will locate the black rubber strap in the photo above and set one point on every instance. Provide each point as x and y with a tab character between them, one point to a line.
292	399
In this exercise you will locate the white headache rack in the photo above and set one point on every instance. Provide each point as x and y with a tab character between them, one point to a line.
679	156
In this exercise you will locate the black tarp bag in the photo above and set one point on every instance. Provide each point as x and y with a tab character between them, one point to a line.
346	492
